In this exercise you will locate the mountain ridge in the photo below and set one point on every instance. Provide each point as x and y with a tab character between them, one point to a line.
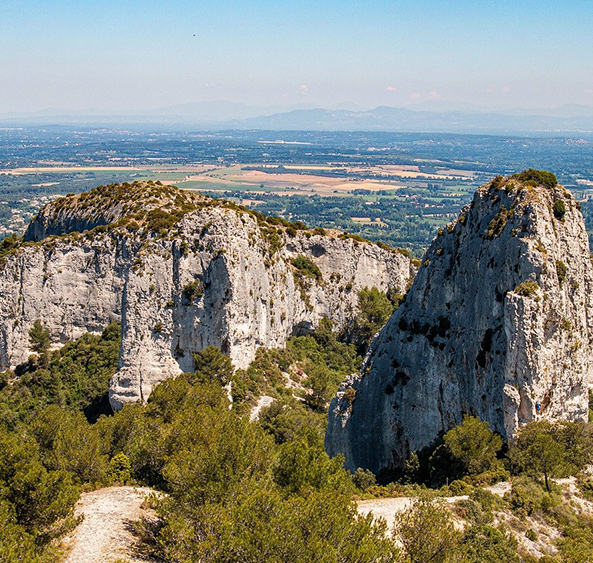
182	272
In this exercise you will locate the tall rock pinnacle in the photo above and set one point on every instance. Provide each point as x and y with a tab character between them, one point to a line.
498	324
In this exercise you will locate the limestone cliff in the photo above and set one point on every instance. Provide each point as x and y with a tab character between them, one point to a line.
182	272
498	321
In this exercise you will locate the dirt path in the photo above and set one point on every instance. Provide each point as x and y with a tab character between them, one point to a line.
388	508
105	534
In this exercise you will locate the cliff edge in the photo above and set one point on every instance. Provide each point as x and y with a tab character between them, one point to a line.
182	272
498	324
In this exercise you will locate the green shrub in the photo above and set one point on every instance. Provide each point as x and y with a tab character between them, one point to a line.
212	365
561	271
374	309
459	488
303	465
426	532
527	289
120	469
487	544
531	535
193	290
288	420
34	499
9	244
263	525
559	209
541	177
470	511
474	445
40	343
363	479
499	222
307	267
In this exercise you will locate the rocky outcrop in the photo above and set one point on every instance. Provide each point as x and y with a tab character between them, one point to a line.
182	272
497	323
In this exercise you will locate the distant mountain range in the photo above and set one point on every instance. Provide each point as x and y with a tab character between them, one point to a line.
403	119
425	117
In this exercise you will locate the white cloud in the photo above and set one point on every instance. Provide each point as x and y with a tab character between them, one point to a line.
506	89
391	89
589	92
304	89
434	95
415	95
209	85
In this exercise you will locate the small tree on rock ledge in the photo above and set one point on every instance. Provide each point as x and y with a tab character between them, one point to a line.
39	339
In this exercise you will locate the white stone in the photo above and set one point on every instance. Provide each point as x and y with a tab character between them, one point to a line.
465	342
250	298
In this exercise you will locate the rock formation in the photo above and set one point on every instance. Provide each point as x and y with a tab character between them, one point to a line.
498	324
182	272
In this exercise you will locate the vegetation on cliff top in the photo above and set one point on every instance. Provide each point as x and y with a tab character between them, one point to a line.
149	209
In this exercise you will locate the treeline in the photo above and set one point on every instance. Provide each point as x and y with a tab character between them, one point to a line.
265	490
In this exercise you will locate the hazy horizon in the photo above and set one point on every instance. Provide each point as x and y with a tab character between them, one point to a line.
140	56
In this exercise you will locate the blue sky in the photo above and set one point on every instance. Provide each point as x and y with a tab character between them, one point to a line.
140	55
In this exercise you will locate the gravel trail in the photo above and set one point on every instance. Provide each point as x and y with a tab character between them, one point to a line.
106	534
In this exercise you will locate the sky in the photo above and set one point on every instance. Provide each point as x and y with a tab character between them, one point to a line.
138	55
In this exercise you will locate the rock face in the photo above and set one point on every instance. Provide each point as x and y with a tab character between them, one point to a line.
499	320
182	272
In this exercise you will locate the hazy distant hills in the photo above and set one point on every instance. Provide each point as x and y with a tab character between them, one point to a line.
403	119
423	117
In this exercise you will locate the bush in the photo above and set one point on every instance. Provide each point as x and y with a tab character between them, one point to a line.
426	532
459	488
531	535
374	309
499	222
363	479
559	209
262	525
561	271
527	288
474	445
211	365
288	420
320	383
307	267
304	465
9	244
585	485
541	177
120	469
16	545
487	544
527	497
39	340
68	442
33	498
192	291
